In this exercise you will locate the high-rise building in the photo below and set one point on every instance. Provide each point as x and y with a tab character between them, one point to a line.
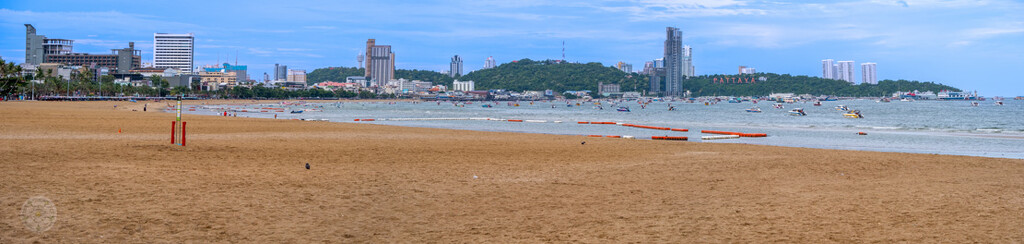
359	58
845	71
828	69
174	51
688	61
38	47
624	67
673	61
380	63
489	63
280	72
868	74
455	69
241	71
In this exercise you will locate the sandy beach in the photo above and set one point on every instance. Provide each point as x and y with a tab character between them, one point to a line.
244	180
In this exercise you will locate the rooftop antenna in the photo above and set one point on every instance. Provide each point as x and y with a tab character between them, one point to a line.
236	57
563	51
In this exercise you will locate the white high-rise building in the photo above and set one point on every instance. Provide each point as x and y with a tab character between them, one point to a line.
688	61
490	63
828	69
868	73
463	85
845	71
174	51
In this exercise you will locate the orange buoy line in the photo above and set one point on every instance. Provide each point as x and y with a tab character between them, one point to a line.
364	119
515	120
734	133
675	138
595	136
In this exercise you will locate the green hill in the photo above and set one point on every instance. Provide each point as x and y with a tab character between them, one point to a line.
784	83
530	75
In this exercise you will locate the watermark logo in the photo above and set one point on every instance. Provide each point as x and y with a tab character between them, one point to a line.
38	213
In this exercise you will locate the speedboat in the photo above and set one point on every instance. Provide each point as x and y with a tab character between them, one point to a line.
797	112
842	108
486	106
817	103
778	106
622	109
754	110
999	103
853	114
296	111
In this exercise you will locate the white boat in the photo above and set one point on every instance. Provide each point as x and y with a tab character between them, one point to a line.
797	112
842	108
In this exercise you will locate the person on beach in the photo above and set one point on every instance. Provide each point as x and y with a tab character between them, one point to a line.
144	107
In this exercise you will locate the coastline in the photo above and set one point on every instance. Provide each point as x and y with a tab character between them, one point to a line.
241	180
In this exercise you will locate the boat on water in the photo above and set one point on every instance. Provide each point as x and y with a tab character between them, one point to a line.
296	111
754	110
974	104
842	108
907	100
817	103
853	114
999	103
622	109
778	106
883	100
797	112
488	106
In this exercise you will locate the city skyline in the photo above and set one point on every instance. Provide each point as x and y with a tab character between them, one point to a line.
967	50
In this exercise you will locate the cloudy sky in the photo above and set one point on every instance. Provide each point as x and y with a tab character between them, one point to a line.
971	44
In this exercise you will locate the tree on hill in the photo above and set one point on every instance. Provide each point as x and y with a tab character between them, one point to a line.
527	74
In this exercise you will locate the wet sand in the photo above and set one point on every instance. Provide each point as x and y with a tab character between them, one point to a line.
243	180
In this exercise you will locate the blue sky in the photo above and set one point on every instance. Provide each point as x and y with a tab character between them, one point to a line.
971	44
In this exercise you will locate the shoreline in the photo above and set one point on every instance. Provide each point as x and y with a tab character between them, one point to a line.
242	180
955	134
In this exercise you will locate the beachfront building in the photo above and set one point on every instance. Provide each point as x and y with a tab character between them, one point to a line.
280	72
239	70
868	74
845	71
605	89
38	47
380	63
490	63
174	51
455	69
828	69
212	81
463	85
296	75
121	61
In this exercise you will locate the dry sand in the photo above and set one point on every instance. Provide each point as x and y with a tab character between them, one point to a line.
243	180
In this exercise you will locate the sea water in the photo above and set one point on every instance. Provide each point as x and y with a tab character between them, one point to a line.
938	127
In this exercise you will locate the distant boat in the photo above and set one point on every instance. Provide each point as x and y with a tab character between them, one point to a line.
797	112
778	106
754	110
999	103
817	103
296	111
622	109
853	114
486	106
842	108
906	100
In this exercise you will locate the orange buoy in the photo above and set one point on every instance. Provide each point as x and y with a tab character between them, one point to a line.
862	133
683	130
515	120
614	136
594	136
583	122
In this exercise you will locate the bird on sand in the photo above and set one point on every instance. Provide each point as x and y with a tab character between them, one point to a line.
307	165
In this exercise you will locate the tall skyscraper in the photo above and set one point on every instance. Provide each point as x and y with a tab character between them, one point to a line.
673	61
174	51
624	67
359	58
868	73
280	72
687	61
827	69
489	63
455	68
845	71
380	63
